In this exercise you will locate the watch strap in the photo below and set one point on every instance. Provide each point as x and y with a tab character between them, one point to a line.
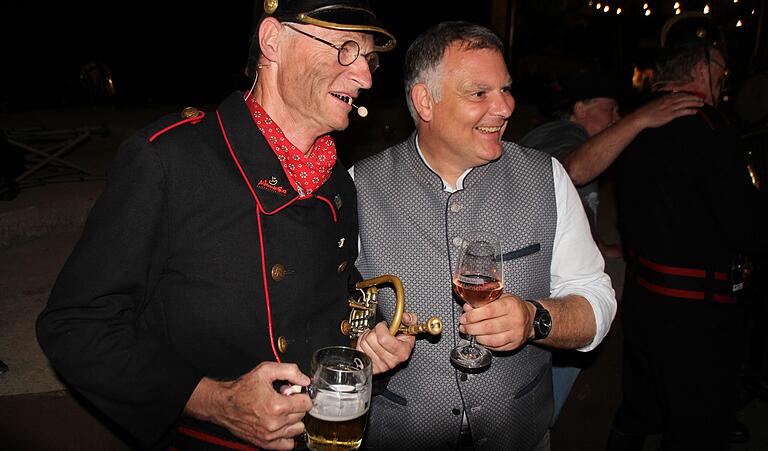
542	321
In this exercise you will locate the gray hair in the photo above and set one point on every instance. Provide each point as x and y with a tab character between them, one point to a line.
425	55
676	63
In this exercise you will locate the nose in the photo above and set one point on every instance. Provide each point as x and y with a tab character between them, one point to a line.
361	73
504	105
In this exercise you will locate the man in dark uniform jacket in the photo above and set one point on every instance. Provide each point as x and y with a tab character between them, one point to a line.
221	254
687	210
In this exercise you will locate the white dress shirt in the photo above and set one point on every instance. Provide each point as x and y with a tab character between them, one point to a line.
577	266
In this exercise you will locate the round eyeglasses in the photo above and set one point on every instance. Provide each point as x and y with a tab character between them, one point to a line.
348	51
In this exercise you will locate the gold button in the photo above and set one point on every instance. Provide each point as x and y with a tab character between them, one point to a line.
270	6
342	266
190	112
282	344
278	272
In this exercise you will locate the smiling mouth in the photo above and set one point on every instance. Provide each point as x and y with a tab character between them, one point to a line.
343	98
488	129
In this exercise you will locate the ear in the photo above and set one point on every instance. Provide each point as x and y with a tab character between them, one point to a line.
269	33
422	101
579	109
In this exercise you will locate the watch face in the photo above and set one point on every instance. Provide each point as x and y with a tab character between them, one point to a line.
545	323
542	323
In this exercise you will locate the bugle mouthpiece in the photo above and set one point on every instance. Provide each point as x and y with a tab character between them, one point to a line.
433	326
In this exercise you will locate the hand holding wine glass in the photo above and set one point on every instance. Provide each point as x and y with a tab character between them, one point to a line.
478	278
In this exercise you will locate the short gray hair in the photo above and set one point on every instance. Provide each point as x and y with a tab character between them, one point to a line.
675	64
424	56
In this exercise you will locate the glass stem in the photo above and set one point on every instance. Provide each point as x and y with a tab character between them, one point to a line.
471	341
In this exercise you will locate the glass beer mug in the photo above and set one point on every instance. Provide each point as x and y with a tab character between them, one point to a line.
341	395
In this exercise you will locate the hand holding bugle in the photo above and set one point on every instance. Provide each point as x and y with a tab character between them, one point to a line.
363	311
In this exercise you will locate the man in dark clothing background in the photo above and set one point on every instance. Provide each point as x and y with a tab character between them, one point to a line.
687	211
587	138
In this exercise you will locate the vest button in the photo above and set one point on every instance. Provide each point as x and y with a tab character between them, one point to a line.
278	272
463	377
189	112
455	411
341	267
282	344
455	208
457	241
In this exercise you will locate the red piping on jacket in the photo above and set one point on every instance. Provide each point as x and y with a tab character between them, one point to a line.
330	205
194	120
685	294
676	271
259	211
202	436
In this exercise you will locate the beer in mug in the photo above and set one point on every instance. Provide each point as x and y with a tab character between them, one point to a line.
341	396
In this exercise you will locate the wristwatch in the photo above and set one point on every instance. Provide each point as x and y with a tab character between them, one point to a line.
542	321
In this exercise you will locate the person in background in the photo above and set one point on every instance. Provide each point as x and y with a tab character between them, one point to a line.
588	105
221	254
418	199
687	213
589	135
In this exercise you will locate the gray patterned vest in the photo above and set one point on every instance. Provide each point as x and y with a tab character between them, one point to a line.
409	226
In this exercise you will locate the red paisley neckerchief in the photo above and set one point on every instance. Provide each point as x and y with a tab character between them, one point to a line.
307	173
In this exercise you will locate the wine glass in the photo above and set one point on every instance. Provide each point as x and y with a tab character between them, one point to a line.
478	278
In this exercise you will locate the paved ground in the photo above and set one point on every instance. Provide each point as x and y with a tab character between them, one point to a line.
39	228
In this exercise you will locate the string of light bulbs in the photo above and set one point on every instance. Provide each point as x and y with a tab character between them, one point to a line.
649	8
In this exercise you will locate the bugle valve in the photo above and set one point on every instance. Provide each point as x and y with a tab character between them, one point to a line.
362	315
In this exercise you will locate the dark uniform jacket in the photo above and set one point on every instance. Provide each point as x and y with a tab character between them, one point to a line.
167	283
684	196
687	209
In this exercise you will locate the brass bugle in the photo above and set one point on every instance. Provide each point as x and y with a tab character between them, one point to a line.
362	315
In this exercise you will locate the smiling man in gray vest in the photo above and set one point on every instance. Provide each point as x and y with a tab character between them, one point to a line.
419	198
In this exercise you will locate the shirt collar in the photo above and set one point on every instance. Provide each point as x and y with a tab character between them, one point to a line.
446	186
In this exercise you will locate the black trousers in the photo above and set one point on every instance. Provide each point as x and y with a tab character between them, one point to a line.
681	371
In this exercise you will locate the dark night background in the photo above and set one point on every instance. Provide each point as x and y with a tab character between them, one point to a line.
174	52
166	55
